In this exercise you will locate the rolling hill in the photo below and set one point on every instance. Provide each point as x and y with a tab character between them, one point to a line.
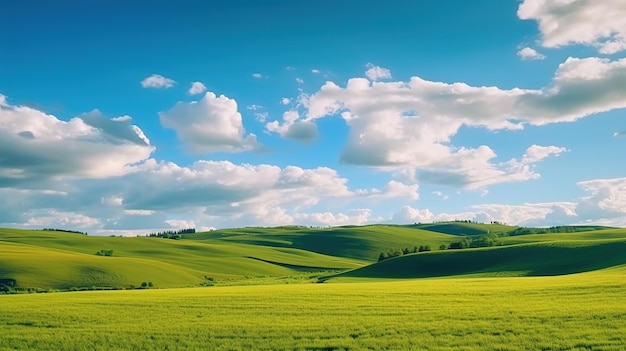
61	260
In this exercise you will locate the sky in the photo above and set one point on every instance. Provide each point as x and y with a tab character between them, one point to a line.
125	118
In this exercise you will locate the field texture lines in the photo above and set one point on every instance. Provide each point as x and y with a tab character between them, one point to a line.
576	312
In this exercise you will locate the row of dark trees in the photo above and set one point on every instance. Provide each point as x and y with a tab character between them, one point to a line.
475	241
63	230
465	243
551	230
172	234
399	252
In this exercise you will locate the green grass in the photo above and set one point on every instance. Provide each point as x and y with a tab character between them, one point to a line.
460	228
575	312
542	258
53	260
38	259
356	242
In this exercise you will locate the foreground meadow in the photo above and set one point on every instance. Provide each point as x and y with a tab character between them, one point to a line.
576	312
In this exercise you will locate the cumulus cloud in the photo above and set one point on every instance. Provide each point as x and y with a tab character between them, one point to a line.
411	124
599	23
530	54
375	73
36	147
606	199
197	88
293	128
258	76
353	217
285	101
157	81
211	124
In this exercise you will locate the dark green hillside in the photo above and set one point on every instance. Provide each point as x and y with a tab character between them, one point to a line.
464	228
536	259
356	242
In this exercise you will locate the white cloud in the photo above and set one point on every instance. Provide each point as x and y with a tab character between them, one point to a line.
599	23
197	88
409	214
285	101
394	125
375	73
299	80
36	148
315	71
353	217
157	81
530	54
180	223
293	128
56	219
537	153
393	189
258	76
606	200
211	124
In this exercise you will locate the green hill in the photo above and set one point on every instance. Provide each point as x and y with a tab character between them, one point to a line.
355	242
44	259
535	259
464	228
62	260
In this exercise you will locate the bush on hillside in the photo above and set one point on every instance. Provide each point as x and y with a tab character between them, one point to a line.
108	252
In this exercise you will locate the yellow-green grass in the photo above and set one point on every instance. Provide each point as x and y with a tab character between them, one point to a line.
600	234
356	242
542	258
36	267
575	312
67	257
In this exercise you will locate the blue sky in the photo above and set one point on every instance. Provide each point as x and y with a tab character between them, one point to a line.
127	118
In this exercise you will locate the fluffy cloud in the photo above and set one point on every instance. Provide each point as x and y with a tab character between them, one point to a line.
353	217
375	73
258	76
606	200
605	204
36	147
211	124
197	88
529	54
598	23
292	128
157	81
411	124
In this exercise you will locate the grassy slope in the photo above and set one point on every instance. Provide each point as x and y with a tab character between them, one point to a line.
60	260
356	242
459	228
43	258
535	259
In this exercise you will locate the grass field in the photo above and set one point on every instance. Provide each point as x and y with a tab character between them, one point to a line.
532	292
575	312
